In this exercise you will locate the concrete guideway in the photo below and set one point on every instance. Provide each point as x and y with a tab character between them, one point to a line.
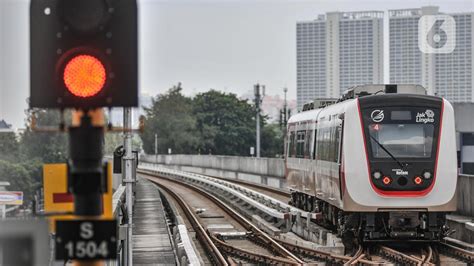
258	199
270	172
151	240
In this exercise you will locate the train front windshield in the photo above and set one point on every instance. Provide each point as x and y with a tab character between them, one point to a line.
401	140
401	132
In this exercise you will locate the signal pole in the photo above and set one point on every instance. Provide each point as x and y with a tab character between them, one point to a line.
258	101
128	179
84	55
87	180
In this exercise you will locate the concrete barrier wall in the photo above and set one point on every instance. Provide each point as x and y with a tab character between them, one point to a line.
259	166
271	171
465	193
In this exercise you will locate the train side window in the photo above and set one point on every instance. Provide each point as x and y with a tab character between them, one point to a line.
307	146
315	144
337	144
300	137
291	149
323	143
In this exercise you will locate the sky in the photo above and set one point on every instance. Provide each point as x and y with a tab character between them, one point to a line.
227	45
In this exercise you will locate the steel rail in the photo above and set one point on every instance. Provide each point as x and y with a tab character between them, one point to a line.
251	256
274	190
458	253
323	255
304	251
402	257
392	254
356	258
201	233
269	242
429	256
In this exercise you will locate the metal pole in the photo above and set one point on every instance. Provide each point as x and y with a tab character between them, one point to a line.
4	211
285	108
86	138
258	132
156	148
257	107
285	119
128	179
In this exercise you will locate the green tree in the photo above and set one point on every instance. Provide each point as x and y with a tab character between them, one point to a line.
170	116
113	140
272	141
9	149
19	177
226	124
49	147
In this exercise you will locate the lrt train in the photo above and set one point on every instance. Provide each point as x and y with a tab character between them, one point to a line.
377	164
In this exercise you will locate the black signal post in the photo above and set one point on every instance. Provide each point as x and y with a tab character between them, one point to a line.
83	55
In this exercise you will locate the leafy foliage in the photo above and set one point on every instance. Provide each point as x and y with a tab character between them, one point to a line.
272	141
212	122
8	146
226	125
45	146
21	176
113	140
170	117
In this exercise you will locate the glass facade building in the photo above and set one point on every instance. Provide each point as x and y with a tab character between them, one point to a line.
336	51
449	75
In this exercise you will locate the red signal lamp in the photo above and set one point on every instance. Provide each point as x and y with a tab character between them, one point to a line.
386	180
84	76
418	180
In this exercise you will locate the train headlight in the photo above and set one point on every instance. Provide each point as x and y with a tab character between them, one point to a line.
427	174
386	180
418	180
377	175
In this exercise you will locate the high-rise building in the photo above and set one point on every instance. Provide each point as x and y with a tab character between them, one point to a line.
449	75
336	51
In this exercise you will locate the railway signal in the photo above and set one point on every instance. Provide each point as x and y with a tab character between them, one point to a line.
84	56
83	53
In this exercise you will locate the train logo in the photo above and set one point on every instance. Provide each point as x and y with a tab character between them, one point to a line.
426	117
400	171
377	116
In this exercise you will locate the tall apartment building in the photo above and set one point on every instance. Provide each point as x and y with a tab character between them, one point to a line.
449	75
336	51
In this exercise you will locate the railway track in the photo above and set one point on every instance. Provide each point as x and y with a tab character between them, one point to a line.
378	255
277	193
455	252
304	255
219	249
450	253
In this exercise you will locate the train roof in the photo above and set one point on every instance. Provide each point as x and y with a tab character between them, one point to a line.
369	93
304	116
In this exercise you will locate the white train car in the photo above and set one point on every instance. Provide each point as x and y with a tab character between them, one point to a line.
379	164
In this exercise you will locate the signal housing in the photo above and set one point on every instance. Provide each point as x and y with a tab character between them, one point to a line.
63	29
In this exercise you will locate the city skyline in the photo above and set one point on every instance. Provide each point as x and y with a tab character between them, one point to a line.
336	51
449	75
209	46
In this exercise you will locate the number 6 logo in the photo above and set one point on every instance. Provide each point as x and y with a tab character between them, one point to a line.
436	34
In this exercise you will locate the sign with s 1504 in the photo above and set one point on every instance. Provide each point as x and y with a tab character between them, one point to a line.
86	239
